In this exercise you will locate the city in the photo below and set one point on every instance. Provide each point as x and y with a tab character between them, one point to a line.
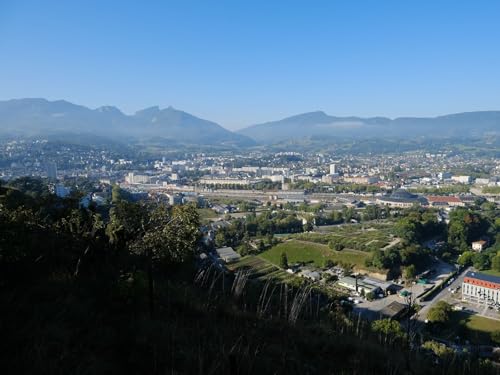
250	187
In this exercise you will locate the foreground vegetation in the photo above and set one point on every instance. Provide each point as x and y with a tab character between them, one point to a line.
119	289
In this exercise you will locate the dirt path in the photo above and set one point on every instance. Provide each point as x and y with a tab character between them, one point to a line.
394	242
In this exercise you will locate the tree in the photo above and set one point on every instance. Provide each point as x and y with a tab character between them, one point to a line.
245	247
389	330
410	272
440	350
262	246
465	259
379	260
335	245
457	235
329	263
168	236
336	217
495	336
270	239
408	229
126	223
220	238
372	212
481	261
495	262
439	313
348	213
465	226
116	194
283	260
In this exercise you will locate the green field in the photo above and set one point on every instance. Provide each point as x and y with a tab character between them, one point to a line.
206	214
312	253
492	272
481	324
475	328
356	237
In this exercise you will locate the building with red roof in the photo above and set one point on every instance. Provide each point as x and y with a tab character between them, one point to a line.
481	288
438	200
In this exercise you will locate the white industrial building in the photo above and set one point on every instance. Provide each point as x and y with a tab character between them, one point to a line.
481	288
228	255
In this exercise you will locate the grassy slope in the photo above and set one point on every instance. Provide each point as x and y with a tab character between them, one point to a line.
479	323
301	251
206	213
492	272
475	328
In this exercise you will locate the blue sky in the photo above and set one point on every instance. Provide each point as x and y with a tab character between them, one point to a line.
244	62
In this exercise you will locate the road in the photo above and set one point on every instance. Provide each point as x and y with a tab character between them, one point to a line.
444	295
456	299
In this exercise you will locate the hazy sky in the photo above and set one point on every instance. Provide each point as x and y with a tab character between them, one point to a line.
239	63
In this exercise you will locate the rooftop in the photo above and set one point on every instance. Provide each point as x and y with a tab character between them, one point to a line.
393	309
483	277
226	251
402	195
434	198
481	242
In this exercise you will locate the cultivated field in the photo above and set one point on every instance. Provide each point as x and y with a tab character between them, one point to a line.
260	269
355	237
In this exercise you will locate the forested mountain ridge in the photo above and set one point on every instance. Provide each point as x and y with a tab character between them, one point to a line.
317	124
39	117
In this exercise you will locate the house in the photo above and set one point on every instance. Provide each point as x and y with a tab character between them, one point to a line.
220	209
385	287
311	275
451	201
479	245
228	255
462	179
359	285
394	310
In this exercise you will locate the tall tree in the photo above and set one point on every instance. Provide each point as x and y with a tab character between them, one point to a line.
168	236
284	260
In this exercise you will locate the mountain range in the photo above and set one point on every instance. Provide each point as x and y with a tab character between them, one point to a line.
42	117
319	124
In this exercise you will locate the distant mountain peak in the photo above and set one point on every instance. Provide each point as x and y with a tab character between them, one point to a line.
313	116
109	109
318	124
40	116
150	111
